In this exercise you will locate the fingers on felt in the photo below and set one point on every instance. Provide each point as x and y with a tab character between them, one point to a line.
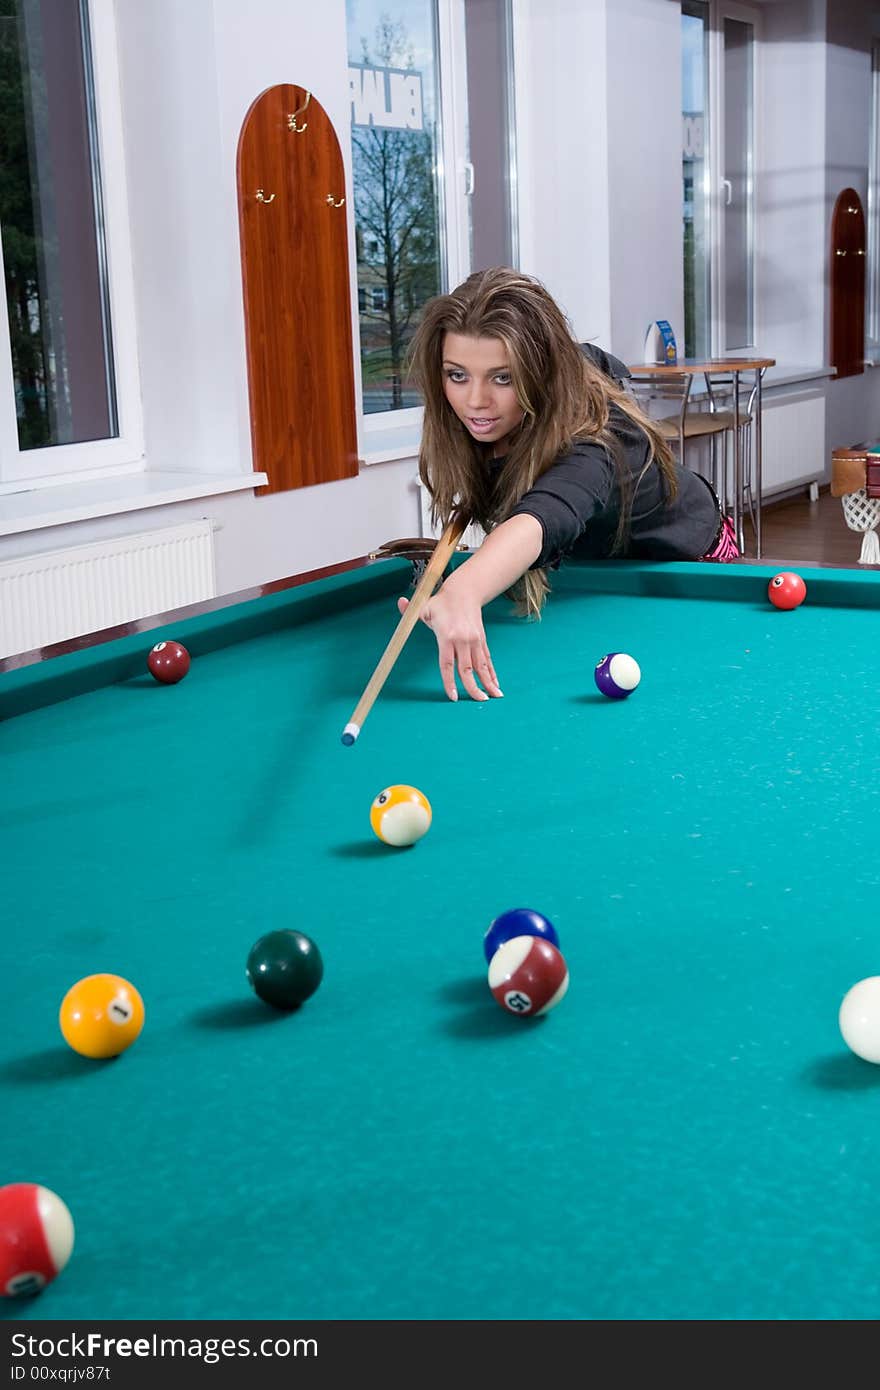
474	667
447	673
486	672
475	664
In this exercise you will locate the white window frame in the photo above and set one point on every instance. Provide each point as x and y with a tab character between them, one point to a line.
63	463
872	318
719	11
454	180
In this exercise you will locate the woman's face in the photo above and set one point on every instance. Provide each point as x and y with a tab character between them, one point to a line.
476	380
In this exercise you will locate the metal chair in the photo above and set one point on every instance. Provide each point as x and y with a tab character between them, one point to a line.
686	422
719	393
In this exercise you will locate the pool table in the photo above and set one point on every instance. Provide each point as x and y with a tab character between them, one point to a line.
686	1136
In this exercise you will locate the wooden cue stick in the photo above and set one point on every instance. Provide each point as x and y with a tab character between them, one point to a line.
424	590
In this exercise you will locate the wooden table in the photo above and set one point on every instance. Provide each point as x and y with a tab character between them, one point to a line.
732	367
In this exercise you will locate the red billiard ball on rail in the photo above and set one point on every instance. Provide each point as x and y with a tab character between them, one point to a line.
168	662
786	590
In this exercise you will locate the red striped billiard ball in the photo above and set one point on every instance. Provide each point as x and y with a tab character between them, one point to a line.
786	590
528	976
36	1238
168	662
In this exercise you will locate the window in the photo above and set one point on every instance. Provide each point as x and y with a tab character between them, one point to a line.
60	399
872	327
737	326
433	166
718	124
695	178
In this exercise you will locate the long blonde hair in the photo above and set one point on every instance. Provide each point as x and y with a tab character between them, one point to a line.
564	397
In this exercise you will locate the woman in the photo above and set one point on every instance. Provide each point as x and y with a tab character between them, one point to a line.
527	435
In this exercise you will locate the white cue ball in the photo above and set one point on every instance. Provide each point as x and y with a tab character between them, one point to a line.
859	1019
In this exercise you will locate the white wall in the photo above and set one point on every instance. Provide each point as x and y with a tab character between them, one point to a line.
382	505
599	190
562	155
189	74
643	62
853	403
792	238
183	227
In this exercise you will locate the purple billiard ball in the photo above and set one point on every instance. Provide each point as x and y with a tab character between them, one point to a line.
518	921
617	675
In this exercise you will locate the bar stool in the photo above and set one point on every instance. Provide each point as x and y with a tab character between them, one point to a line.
719	392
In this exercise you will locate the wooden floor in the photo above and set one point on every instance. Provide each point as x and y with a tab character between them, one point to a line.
803	532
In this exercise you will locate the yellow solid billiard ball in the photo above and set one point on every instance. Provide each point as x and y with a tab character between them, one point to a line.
101	1015
400	815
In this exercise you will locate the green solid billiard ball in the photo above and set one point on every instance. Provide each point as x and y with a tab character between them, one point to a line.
284	968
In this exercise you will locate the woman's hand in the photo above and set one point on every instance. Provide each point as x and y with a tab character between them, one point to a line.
455	613
461	642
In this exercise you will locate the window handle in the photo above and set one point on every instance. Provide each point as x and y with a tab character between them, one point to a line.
468	178
726	184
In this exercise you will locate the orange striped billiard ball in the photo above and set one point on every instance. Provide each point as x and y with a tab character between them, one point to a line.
400	815
101	1015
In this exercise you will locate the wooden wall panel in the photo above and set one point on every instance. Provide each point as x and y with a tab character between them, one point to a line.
297	291
848	284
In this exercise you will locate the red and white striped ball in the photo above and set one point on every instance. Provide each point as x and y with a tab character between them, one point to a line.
528	976
36	1238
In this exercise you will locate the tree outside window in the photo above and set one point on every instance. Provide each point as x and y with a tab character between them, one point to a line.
394	142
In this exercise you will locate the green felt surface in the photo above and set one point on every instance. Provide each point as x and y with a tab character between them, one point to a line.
685	1137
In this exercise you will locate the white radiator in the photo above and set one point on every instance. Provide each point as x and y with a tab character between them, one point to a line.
65	593
792	440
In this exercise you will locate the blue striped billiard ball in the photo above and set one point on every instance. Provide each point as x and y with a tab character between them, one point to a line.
617	675
519	921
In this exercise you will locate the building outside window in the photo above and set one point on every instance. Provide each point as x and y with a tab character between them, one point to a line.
394	76
59	387
56	299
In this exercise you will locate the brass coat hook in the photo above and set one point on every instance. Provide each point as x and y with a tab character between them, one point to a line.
262	197
291	120
335	202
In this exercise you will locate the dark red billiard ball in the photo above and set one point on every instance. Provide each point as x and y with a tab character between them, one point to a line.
528	976
786	590
168	662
